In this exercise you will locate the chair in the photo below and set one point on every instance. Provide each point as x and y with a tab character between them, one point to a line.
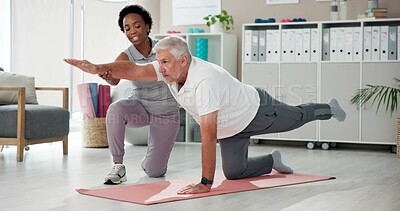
27	124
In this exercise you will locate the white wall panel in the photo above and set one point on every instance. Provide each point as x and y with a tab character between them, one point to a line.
40	40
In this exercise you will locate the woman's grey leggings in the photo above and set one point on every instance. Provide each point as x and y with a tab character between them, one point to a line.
273	116
162	135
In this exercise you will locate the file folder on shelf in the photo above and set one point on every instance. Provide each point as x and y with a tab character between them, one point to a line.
314	45
398	42
254	45
348	47
341	42
298	49
285	45
306	44
261	45
333	44
357	44
326	52
247	45
367	43
384	39
276	45
392	43
375	43
292	45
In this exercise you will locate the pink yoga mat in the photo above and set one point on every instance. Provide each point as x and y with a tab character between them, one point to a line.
166	191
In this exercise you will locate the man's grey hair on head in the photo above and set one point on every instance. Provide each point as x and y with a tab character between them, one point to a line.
177	46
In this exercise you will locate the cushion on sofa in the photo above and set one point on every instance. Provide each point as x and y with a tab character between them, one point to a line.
42	121
16	80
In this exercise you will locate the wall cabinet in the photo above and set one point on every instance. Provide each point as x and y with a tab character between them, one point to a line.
316	61
222	50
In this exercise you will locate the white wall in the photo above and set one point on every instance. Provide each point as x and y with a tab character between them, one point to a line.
41	38
5	36
40	41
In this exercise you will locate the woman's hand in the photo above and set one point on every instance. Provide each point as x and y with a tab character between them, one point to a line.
106	76
195	188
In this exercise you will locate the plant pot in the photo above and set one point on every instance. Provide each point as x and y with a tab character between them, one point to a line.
398	137
217	28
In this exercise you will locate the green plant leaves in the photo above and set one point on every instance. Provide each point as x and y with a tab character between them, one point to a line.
225	19
382	95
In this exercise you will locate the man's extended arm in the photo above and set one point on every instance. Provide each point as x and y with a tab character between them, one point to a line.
208	128
119	69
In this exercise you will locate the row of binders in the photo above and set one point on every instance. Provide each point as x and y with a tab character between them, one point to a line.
94	99
377	43
298	45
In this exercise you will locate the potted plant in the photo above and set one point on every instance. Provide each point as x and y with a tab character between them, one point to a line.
222	22
382	95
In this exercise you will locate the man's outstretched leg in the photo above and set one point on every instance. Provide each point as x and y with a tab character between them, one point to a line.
337	112
274	116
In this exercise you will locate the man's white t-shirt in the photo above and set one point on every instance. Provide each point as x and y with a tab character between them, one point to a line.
210	88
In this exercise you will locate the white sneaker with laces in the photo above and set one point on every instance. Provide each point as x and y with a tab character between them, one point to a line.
116	176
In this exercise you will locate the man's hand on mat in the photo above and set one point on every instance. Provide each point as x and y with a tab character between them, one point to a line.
84	65
195	188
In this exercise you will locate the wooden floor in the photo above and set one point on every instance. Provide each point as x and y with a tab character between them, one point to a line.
367	179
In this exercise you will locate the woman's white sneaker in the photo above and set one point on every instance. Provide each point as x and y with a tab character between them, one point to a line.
116	176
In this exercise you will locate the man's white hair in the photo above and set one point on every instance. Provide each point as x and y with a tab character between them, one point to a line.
177	46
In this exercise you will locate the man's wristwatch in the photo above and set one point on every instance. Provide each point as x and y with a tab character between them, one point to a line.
206	181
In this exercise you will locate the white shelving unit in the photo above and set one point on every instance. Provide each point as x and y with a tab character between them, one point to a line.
295	81
222	50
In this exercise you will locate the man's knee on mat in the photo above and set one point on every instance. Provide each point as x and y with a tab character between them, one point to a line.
232	174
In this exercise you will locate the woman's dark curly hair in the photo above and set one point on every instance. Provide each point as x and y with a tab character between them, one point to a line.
137	9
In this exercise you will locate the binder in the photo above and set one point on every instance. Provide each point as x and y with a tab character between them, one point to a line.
261	45
375	43
392	55
348	47
276	45
292	45
384	39
357	44
333	44
254	45
314	45
247	45
341	42
367	43
306	45
269	45
326	52
298	49
398	42
285	45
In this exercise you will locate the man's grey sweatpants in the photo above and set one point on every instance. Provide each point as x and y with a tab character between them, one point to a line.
272	116
162	134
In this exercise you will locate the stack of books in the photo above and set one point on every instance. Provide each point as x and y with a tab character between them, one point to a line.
374	13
